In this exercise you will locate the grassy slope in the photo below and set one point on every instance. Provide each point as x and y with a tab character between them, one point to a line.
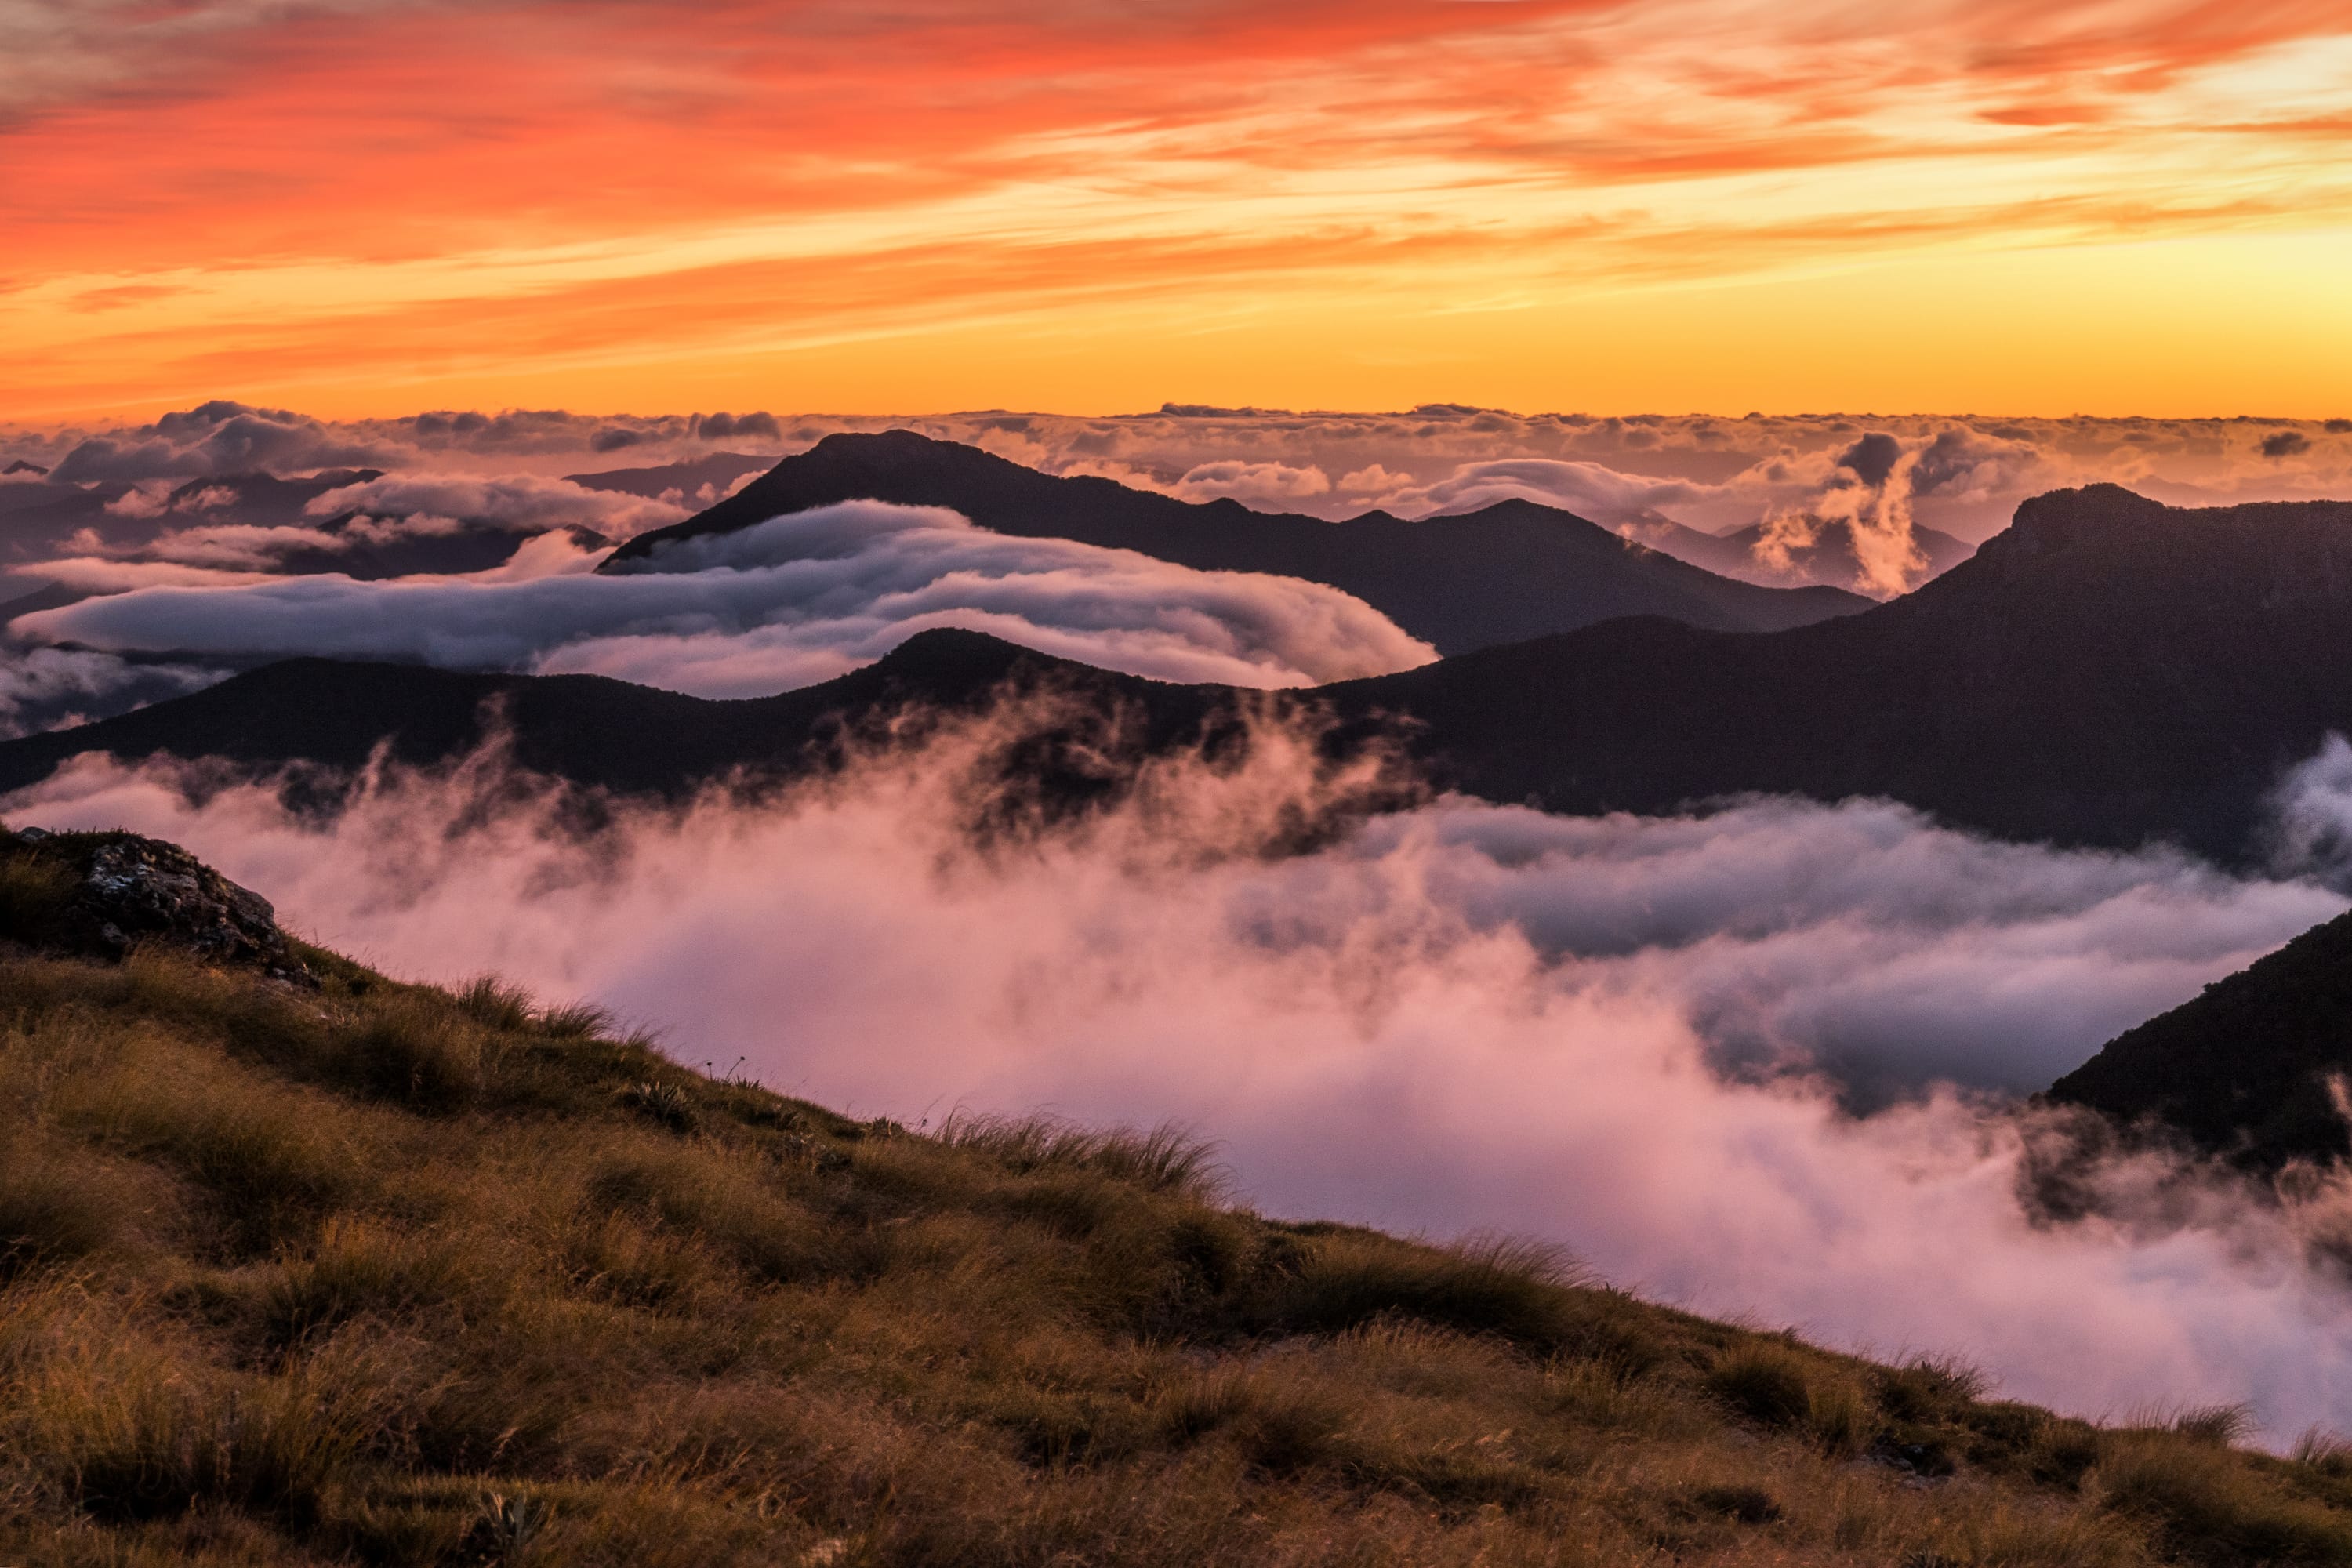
290	1277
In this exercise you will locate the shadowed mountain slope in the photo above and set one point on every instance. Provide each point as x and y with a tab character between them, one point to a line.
589	730
2109	671
2245	1071
1507	572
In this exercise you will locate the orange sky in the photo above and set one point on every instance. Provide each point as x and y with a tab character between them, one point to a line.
368	206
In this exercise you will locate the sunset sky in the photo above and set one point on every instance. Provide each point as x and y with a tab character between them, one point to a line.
364	207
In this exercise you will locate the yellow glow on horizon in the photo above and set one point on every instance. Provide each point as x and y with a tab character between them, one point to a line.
1696	205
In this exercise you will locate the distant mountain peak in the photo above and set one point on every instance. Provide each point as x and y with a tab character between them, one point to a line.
1509	571
2057	519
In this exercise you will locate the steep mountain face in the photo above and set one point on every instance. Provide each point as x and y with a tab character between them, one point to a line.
2252	1069
2106	672
1511	572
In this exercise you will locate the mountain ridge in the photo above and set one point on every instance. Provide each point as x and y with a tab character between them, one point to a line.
2110	673
1503	573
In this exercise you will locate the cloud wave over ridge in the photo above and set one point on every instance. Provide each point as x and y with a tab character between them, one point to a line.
794	601
1628	1035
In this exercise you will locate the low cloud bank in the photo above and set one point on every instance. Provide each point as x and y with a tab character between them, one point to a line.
517	503
1466	1015
53	688
792	602
1709	473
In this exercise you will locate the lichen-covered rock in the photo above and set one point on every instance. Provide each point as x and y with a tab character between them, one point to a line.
101	894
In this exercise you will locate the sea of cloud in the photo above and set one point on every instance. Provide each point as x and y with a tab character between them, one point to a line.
787	603
1966	472
1640	1037
163	496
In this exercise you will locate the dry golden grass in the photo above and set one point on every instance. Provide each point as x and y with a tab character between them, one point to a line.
384	1275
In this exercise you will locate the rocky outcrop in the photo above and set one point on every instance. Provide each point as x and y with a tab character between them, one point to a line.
100	895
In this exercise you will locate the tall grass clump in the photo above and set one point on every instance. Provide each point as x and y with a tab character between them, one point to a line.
1164	1160
34	891
358	1268
432	1057
52	1210
2207	1504
140	1441
1512	1290
496	1002
1763	1383
271	1163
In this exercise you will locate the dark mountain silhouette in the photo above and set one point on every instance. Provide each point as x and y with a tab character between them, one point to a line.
476	545
630	740
1510	572
48	596
24	465
2245	1071
2109	672
718	470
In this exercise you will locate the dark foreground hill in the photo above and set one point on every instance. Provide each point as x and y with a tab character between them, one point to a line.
371	1273
2252	1070
1510	572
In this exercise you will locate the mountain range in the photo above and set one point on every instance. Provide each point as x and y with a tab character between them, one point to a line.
1501	575
2109	672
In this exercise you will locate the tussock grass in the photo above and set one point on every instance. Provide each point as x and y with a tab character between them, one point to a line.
1164	1160
490	1000
357	1269
2204	1503
386	1275
1765	1384
1512	1290
431	1057
34	891
137	1438
54	1209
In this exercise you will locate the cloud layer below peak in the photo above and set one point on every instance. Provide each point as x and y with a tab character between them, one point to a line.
789	603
